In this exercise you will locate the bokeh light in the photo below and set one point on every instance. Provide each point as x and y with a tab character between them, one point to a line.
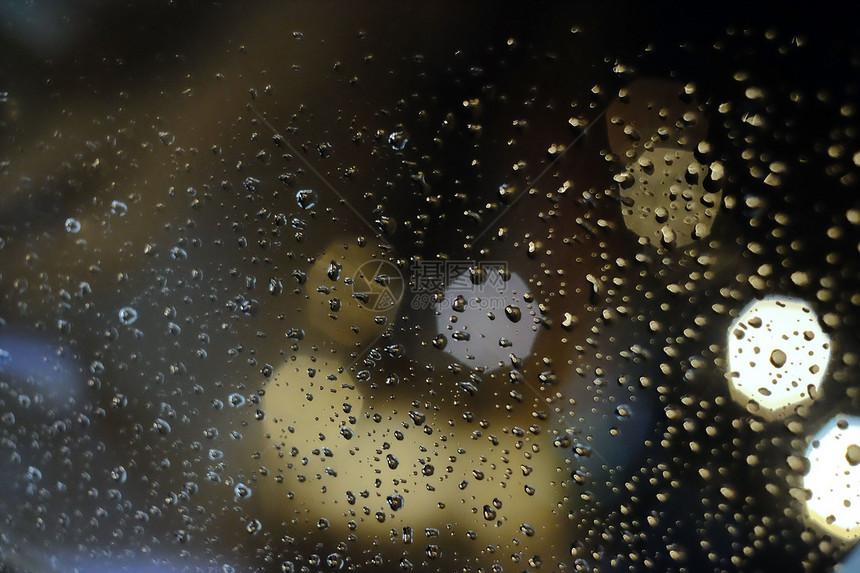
834	456
778	355
664	197
484	324
346	460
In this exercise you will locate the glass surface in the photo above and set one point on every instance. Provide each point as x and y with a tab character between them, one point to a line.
432	287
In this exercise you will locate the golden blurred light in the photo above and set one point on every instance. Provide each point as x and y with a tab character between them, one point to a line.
351	295
366	463
355	454
835	491
778	355
664	197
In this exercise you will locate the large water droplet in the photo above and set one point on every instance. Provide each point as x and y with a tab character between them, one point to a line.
398	140
306	198
127	315
395	501
118	208
852	454
161	426
73	225
489	513
119	474
513	313
778	358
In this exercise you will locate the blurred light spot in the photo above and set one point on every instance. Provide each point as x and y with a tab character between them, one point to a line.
777	356
353	294
835	496
664	197
38	362
335	436
487	322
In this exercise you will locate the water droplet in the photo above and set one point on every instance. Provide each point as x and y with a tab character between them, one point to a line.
73	225
668	235
119	474
507	192
569	321
334	270
392	461
778	358
307	198
254	527
334	561
161	426
387	225
489	513
398	140
118	208
622	411
296	334
242	491
581	450
395	350
852	454
276	286
513	313
395	501
127	315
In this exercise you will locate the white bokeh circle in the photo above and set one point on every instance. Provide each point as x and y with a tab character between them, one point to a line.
484	324
778	355
834	468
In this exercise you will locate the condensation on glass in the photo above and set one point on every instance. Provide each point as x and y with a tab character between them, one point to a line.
321	288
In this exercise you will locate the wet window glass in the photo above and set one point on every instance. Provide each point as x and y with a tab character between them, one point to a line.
431	287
